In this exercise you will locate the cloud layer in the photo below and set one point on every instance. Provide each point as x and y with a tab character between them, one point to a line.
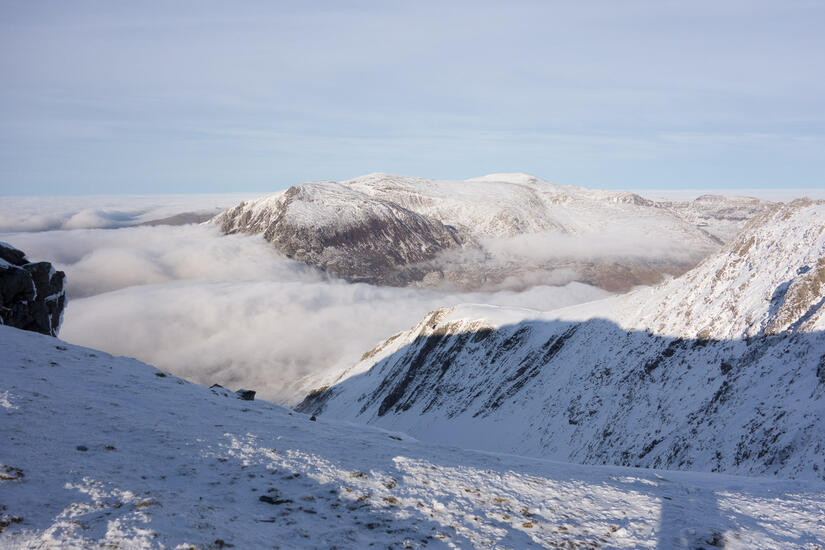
624	243
81	212
230	309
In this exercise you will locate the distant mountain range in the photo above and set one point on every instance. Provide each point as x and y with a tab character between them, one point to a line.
394	230
721	369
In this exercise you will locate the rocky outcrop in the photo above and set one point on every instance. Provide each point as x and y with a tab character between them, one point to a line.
32	294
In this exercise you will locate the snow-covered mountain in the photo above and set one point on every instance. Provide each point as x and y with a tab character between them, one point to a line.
106	452
722	369
769	280
344	231
722	216
398	230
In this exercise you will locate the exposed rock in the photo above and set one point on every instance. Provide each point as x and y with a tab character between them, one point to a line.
246	395
10	473
345	232
217	389
272	500
32	294
12	255
801	299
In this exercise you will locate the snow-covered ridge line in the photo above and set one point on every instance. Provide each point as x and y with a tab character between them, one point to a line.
768	280
141	459
722	369
400	230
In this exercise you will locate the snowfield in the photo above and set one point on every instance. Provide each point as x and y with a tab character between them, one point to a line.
103	451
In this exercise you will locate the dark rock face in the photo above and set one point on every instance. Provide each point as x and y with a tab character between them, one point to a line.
314	223
593	393
246	395
32	294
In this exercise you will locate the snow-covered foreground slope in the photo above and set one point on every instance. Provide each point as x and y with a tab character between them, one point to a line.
108	452
722	369
496	231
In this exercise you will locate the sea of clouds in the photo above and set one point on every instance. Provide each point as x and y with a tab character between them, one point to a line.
231	309
30	213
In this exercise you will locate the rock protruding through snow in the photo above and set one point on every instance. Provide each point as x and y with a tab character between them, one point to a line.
32	294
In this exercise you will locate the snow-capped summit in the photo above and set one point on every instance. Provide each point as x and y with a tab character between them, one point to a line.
721	369
399	230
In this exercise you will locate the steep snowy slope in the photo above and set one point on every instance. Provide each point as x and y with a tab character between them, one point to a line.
400	230
722	369
106	452
770	279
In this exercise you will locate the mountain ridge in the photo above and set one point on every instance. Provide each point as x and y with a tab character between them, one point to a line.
397	230
626	380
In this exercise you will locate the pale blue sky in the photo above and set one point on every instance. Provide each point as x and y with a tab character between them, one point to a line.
157	97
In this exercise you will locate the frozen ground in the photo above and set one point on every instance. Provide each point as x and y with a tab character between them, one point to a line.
108	452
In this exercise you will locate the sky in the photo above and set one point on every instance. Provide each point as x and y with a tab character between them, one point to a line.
222	97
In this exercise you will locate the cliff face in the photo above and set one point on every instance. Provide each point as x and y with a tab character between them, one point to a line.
345	232
32	294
